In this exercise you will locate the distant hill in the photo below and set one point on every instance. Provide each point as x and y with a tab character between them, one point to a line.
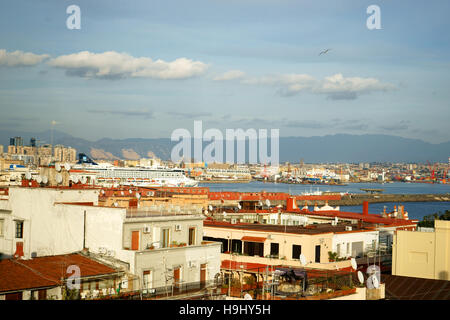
330	148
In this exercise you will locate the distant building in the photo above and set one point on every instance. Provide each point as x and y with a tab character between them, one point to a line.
16	141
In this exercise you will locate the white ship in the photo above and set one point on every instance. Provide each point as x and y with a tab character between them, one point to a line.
111	176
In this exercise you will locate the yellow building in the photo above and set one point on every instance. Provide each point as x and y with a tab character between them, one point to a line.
423	254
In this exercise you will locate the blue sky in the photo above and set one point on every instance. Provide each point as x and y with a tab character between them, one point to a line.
145	68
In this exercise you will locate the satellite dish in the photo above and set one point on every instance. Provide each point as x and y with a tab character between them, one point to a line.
239	206
103	191
360	277
224	214
75	179
116	204
38	179
28	175
121	192
131	191
247	297
138	195
353	262
58	167
302	260
67	166
260	203
268	202
210	207
372	282
44	179
59	178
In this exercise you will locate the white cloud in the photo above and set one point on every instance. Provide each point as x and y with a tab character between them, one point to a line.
230	75
114	65
335	87
20	58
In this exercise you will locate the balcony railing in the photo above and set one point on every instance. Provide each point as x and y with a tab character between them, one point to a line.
175	291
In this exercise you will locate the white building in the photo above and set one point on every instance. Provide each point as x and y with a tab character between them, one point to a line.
354	244
52	221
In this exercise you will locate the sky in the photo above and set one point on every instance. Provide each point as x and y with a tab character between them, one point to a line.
141	69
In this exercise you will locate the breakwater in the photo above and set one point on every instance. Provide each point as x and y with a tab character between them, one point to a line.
358	199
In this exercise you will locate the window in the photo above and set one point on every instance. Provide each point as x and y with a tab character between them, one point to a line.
192	236
147	279
2	222
274	249
165	238
19	229
317	260
296	251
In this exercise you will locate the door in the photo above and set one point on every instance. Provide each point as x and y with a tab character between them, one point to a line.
191	236
42	294
13	296
147	280
317	254
202	275
176	280
357	249
135	240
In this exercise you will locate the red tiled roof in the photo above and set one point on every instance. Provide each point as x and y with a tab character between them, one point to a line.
46	271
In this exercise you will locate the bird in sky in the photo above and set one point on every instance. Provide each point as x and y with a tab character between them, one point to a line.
324	51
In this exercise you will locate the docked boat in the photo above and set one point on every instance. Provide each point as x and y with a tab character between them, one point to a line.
110	176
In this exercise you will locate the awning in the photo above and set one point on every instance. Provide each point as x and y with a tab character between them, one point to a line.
254	239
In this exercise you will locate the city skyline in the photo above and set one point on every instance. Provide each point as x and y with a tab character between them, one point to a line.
146	69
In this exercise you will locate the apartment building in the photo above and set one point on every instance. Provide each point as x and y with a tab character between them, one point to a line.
423	254
157	250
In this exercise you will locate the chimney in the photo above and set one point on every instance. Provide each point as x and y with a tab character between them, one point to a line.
19	250
366	208
291	204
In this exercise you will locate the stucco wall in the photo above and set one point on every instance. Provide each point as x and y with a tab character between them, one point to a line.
423	254
285	240
159	259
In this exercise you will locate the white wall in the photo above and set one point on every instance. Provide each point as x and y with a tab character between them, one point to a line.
48	229
344	238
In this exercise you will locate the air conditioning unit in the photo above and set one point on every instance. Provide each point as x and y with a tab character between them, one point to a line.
178	227
233	221
147	229
348	228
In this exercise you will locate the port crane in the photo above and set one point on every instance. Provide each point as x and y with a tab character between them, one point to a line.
432	170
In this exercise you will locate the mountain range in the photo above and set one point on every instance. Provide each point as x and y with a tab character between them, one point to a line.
317	149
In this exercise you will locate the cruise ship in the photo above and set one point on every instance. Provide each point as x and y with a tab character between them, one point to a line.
110	176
